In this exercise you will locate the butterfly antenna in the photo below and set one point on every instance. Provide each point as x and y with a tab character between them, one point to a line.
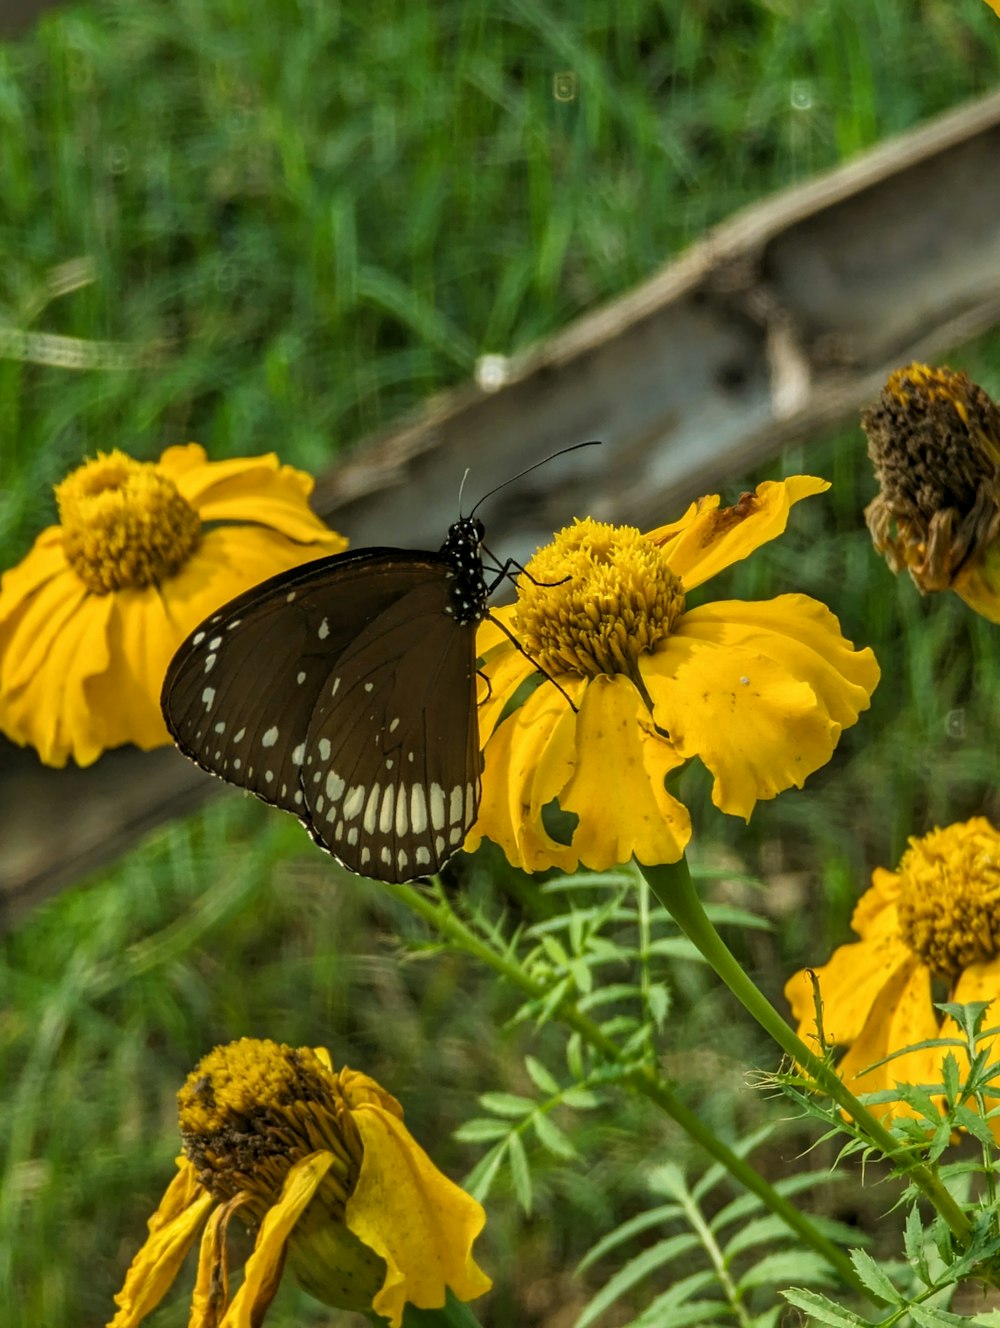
594	442
461	490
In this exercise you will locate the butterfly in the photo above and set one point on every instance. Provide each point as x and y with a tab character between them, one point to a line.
344	691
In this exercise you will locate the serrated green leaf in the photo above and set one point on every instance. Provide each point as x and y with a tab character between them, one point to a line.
823	1310
541	1076
928	1317
520	1172
550	1136
481	1129
762	1231
512	1105
914	1244
874	1278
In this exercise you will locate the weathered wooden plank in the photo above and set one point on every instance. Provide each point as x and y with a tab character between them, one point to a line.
781	322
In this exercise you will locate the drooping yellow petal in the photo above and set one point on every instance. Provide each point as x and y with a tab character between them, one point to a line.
125	697
211	1288
616	787
852	984
528	761
901	1016
414	1217
978	584
760	692
172	1231
45	560
263	1269
708	538
875	913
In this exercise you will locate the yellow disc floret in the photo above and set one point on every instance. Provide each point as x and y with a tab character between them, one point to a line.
595	599
125	525
949	900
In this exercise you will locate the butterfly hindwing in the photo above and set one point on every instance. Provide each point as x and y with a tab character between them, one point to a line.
391	771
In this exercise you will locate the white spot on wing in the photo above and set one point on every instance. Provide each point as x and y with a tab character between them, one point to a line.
423	856
394	726
418	810
402	860
366	855
197	639
298	753
324	629
215	642
439	845
324	749
300	677
210	663
334	785
455	805
371	809
470	800
270	737
221	726
238	737
354	802
437	806
385	816
208	696
333	689
352	835
386	855
402	819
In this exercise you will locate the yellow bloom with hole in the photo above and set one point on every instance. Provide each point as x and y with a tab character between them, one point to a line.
319	1164
760	692
143	552
929	931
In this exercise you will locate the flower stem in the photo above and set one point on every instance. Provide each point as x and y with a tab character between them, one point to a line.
641	1076
675	890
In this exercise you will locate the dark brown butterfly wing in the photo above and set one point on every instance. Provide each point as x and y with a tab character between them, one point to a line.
250	697
391	770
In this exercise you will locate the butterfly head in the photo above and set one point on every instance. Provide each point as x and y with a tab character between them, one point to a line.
464	551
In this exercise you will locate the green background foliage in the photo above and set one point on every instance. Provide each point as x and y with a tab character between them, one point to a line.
279	226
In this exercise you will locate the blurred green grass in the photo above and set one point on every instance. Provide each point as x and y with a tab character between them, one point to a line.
298	225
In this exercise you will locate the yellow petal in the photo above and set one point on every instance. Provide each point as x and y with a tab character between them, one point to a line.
901	1016
875	913
125	698
211	1288
707	539
528	761
49	710
172	1231
414	1217
263	1269
617	788
978	584
45	560
506	671
852	984
760	692
262	491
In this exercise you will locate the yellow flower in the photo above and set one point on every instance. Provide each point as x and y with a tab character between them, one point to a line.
930	930
759	691
934	437
143	552
321	1167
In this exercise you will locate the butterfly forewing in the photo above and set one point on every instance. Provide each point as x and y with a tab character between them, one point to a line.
391	772
327	673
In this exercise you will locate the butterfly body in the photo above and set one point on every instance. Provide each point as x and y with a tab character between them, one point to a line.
344	691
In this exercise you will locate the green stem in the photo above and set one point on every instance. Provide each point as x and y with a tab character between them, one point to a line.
675	890
642	1077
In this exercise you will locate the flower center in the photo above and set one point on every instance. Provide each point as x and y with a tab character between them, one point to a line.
949	902
595	599
252	1108
124	523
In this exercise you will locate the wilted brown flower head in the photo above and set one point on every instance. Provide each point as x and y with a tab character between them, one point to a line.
934	438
